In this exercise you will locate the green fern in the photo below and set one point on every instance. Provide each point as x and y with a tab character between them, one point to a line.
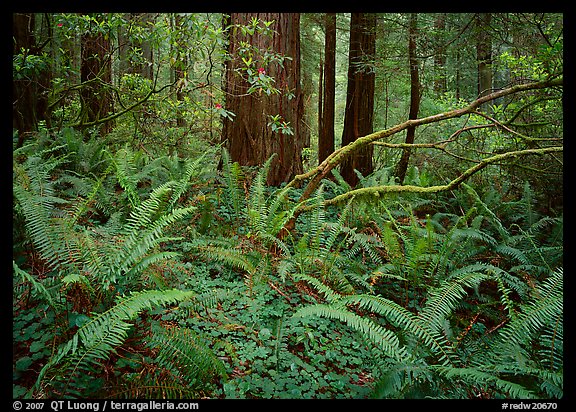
329	251
37	286
384	339
185	355
233	190
35	192
476	377
118	251
97	339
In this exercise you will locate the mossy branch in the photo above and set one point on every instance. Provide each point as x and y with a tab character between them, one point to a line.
379	190
338	156
322	170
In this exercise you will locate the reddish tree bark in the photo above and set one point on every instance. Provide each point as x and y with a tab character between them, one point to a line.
29	93
359	95
249	137
328	92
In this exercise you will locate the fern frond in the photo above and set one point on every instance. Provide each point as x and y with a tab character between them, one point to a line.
37	286
316	219
143	232
539	320
442	300
125	170
407	321
485	209
99	337
180	351
231	257
151	386
257	207
478	377
329	294
233	190
192	168
382	338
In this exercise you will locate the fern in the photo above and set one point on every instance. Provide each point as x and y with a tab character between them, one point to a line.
544	310
233	192
477	377
125	169
97	339
120	250
382	338
487	211
36	285
48	227
441	301
180	351
408	322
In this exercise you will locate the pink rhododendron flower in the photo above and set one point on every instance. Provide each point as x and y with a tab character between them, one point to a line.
261	70
218	105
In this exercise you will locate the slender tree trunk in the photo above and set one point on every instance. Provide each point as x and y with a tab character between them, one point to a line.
402	166
440	55
484	54
249	137
457	77
23	90
326	131
360	94
180	68
147	67
320	104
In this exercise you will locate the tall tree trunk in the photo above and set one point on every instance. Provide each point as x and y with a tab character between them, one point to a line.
440	55
359	95
484	54
326	130
29	91
147	67
127	41
320	103
180	68
96	74
249	137
402	165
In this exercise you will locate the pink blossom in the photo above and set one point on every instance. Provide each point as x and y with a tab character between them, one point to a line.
261	70
60	24
218	105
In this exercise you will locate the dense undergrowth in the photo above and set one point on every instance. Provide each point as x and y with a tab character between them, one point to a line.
140	276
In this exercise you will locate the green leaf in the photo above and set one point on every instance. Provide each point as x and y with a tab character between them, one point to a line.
24	363
36	346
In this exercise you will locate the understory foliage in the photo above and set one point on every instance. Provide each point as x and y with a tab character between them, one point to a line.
136	277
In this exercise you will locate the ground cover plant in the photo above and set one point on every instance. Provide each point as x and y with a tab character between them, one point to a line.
183	289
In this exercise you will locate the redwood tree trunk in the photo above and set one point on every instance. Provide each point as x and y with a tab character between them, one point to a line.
249	137
326	129
29	92
359	94
402	166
